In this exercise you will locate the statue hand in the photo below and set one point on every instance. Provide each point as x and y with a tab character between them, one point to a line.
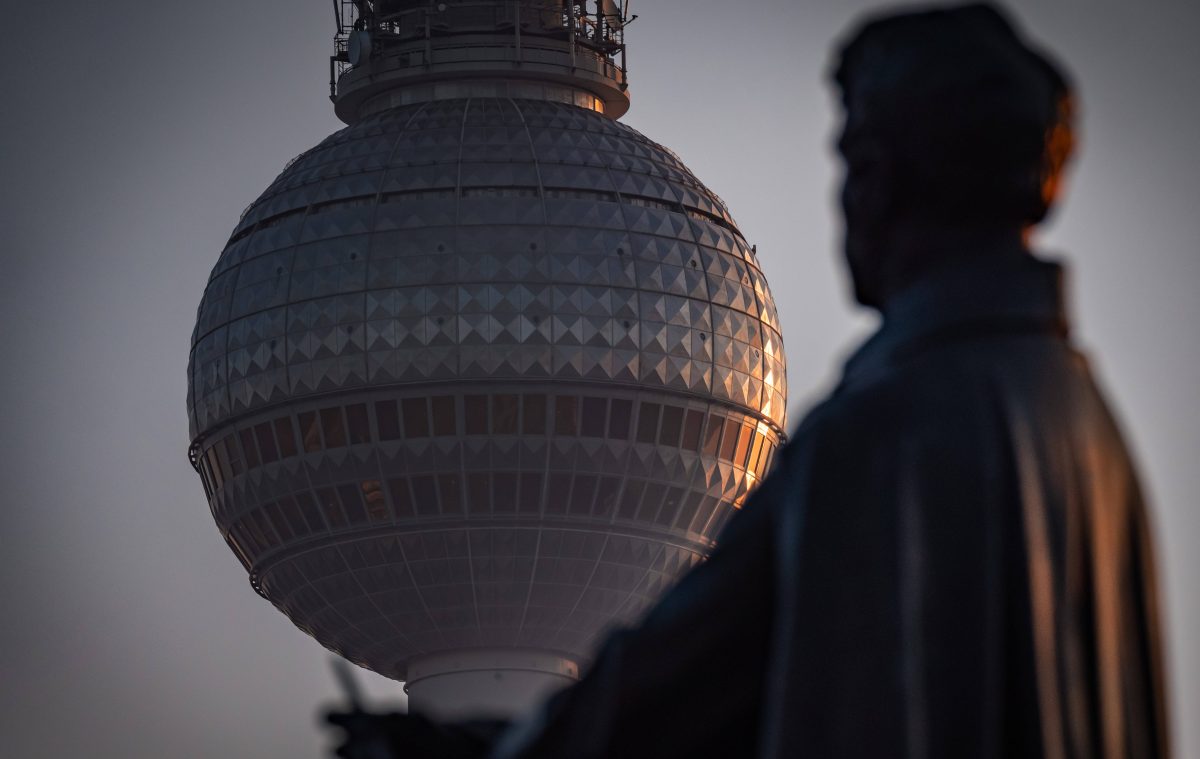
392	735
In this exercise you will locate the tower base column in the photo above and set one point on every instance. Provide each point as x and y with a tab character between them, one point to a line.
485	682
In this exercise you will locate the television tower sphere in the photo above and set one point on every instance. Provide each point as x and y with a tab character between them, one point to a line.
484	372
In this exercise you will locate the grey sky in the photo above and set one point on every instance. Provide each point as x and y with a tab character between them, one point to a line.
134	134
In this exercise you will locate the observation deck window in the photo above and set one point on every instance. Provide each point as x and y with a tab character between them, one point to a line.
566	415
558	493
310	433
284	523
712	436
606	496
310	511
228	451
328	500
352	502
451	492
652	501
742	453
479	493
531	492
672	420
267	449
692	427
388	420
248	448
285	435
648	422
630	498
416	418
334	427
376	498
582	492
401	499
445	421
424	495
357	424
729	439
504	494
594	413
218	476
475	411
505	410
533	421
670	506
619	417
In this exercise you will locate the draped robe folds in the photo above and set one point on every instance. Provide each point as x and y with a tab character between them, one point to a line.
950	559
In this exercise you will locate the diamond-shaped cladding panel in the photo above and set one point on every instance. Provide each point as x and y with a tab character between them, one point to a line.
566	245
438	247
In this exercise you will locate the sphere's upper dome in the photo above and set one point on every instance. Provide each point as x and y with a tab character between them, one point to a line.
514	238
478	371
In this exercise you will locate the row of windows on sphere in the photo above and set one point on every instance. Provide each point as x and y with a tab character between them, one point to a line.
400	499
729	436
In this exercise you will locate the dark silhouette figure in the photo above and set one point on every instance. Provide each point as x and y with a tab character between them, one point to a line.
952	557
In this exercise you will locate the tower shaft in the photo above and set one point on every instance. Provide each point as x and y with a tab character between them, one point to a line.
499	682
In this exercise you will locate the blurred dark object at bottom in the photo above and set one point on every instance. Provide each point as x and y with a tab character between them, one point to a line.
369	735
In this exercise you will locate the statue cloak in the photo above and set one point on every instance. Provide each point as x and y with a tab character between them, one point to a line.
950	559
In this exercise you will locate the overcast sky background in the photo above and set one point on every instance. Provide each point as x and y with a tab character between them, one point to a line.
133	134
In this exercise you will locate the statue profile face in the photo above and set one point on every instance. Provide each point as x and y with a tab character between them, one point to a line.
867	208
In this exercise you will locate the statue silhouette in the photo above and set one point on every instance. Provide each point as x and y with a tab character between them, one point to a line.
952	556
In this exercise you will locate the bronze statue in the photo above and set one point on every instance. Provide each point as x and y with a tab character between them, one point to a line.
952	556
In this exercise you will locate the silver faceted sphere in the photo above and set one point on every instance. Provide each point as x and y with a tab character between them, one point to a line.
481	373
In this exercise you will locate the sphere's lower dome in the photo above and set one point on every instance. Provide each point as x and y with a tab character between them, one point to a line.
481	372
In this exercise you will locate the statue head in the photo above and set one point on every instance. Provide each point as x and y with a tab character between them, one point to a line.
954	128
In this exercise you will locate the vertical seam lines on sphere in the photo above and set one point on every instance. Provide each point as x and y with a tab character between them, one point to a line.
457	253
